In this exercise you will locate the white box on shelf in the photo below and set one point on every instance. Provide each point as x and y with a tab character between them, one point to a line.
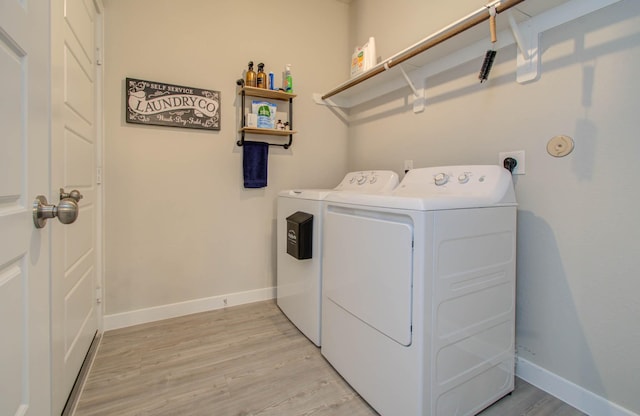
252	120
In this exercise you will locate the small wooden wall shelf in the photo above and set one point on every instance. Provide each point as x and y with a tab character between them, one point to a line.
244	91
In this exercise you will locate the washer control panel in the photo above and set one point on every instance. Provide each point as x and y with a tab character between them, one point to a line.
371	181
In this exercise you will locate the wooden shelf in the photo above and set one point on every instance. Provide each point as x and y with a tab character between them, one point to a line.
269	95
460	42
265	93
272	132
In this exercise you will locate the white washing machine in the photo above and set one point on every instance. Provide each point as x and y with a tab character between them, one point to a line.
299	281
418	309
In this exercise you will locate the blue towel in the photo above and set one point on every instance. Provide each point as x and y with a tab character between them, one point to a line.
254	164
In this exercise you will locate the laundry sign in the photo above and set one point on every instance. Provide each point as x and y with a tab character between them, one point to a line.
150	102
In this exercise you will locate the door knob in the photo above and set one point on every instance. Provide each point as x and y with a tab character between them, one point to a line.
75	195
66	211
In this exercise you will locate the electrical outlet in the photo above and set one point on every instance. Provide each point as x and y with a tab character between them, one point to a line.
408	165
518	155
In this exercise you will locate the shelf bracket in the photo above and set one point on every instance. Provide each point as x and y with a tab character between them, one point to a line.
528	58
418	93
336	108
317	98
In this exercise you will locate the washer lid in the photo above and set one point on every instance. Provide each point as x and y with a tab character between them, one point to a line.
447	187
313	194
370	181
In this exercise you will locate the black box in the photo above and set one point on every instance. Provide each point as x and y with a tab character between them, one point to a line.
300	235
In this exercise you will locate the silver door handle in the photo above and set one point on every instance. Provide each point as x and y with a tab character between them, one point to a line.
66	211
75	195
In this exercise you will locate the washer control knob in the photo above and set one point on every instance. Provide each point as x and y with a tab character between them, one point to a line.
440	179
362	179
463	177
352	180
373	179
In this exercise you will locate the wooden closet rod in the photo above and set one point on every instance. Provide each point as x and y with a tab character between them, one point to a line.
448	32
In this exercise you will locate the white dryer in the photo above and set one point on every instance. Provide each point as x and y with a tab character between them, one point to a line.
418	307
299	281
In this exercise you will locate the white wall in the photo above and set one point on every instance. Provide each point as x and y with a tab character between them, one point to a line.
578	227
179	225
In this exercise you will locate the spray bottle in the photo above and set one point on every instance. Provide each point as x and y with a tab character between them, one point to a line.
287	81
250	80
261	78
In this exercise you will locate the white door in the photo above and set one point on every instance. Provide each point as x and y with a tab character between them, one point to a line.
73	166
24	173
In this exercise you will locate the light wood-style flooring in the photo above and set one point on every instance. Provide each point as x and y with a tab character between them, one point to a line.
239	361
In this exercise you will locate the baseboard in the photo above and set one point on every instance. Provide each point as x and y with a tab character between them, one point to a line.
83	375
157	313
583	400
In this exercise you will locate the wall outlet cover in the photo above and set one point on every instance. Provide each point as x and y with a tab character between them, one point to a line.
518	155
408	165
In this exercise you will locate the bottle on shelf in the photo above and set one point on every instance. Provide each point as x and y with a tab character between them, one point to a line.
261	78
287	82
250	80
272	82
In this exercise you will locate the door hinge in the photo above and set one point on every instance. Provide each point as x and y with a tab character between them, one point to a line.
98	175
98	295
98	56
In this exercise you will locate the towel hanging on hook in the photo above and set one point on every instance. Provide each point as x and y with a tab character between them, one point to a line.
490	56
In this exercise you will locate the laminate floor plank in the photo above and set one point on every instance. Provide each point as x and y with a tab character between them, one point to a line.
528	400
246	360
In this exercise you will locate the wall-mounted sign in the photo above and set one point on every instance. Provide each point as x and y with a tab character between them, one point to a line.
150	102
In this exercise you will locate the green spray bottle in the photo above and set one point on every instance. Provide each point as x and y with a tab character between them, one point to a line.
287	82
